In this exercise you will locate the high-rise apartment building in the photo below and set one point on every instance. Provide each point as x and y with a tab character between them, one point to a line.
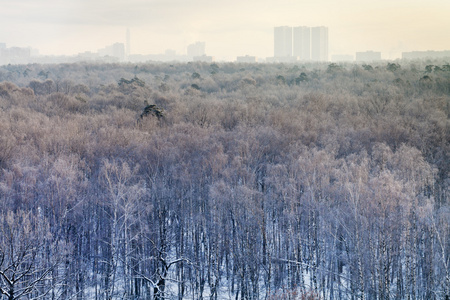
282	41
319	43
302	42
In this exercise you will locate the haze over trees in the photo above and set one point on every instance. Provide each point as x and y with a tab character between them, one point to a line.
225	181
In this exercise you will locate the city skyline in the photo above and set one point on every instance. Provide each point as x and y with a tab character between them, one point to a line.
119	52
230	29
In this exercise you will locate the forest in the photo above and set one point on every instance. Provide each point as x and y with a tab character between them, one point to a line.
225	181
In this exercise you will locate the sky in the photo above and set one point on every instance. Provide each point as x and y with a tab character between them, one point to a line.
229	28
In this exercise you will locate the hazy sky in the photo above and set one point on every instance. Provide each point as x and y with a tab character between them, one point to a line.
229	28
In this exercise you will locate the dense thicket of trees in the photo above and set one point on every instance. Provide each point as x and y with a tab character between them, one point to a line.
239	181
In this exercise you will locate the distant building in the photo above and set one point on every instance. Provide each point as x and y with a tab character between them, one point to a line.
425	54
342	57
203	58
128	49
368	56
16	52
2	45
197	49
282	41
302	42
116	50
170	52
285	59
169	55
319	43
34	52
88	55
14	55
246	59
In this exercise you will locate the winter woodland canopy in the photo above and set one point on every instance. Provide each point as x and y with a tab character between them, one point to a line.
225	181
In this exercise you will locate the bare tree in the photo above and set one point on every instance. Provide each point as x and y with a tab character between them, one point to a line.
28	256
124	191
